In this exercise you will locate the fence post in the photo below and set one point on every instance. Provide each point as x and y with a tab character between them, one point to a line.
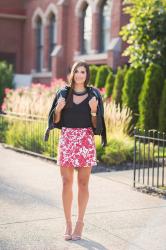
163	162
134	162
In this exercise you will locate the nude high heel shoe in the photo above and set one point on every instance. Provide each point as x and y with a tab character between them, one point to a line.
78	231
68	232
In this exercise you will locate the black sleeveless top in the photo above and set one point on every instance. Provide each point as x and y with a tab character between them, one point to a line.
77	116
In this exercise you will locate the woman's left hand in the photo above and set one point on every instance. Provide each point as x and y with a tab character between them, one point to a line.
93	104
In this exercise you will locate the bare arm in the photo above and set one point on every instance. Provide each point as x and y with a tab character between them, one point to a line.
93	106
58	109
57	116
94	121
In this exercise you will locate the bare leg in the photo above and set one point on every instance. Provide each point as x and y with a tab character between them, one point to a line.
67	195
83	196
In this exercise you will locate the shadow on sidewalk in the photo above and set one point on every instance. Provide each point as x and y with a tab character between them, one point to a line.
101	167
89	244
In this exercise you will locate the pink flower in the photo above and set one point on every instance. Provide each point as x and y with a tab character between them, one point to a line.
58	83
102	91
3	107
7	90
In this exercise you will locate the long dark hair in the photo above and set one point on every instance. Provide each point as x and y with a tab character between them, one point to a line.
71	79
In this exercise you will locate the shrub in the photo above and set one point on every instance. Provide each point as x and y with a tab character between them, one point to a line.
6	74
132	86
149	99
162	111
145	152
118	85
109	84
3	128
99	149
93	73
101	76
118	151
117	120
29	137
120	146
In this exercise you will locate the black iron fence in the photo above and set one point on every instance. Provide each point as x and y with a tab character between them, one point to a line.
26	134
149	159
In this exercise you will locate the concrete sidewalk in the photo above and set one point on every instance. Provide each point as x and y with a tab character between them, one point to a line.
31	213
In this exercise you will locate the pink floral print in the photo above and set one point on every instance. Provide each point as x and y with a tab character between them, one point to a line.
76	148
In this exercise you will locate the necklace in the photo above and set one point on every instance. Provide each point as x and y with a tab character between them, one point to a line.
79	93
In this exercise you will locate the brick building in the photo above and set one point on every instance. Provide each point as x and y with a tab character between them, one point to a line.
44	37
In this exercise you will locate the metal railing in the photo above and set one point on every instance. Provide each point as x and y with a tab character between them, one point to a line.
149	159
26	133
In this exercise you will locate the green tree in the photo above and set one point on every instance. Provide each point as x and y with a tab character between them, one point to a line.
102	74
118	85
149	99
93	72
132	86
109	84
146	32
6	74
162	111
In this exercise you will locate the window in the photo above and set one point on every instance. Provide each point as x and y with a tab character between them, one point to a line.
52	38
105	24
39	45
10	58
86	29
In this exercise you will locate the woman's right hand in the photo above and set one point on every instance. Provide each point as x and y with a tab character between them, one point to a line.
61	104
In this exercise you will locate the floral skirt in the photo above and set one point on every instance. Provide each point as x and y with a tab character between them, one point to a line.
76	148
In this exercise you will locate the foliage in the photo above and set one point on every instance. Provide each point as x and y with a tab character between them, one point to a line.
145	151
93	73
25	137
119	150
109	84
149	98
6	74
3	128
120	145
118	85
99	149
162	111
132	86
117	119
101	76
33	100
145	33
28	135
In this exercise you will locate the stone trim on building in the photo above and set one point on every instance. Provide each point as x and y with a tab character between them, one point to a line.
52	8
12	13
68	14
38	13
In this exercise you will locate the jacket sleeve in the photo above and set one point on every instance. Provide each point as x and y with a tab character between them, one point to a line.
51	124
103	134
100	128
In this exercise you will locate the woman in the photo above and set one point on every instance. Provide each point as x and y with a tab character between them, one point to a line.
77	115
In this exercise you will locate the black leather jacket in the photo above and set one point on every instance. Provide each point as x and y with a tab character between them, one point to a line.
100	125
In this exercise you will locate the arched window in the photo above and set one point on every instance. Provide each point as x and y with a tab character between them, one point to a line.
39	45
105	24
86	30
52	38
